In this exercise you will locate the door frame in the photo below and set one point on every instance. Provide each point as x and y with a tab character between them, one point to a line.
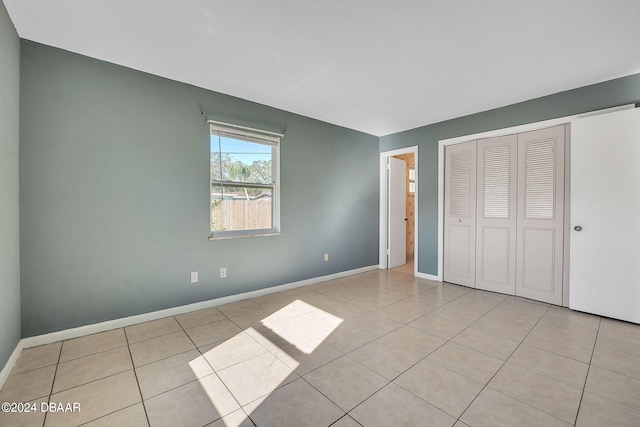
384	206
506	131
398	214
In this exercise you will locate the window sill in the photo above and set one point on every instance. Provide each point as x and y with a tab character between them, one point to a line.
245	233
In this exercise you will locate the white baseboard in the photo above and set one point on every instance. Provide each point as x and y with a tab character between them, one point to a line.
154	315
4	373
427	276
417	274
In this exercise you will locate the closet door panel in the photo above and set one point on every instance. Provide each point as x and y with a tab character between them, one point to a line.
496	214
540	215
539	267
460	214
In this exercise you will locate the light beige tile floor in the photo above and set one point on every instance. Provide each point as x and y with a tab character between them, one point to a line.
380	348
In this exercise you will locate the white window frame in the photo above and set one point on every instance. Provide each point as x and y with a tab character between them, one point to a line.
259	137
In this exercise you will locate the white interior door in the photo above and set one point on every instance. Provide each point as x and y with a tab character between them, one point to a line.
496	214
397	212
540	215
605	204
460	214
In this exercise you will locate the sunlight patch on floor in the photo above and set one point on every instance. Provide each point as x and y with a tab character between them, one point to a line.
251	372
302	325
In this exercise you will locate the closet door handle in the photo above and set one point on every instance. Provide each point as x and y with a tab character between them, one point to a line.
578	228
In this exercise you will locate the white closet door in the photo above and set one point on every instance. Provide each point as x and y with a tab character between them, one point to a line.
540	215
605	206
397	212
496	214
460	214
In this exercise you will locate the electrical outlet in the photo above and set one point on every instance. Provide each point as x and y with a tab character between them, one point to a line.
194	277
326	257
223	272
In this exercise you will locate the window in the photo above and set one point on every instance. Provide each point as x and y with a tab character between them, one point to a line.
244	181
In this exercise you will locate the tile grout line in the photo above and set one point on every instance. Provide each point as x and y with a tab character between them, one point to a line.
44	420
434	350
181	352
388	381
164	358
98	379
336	405
410	367
92	381
446	341
345	415
299	377
469	326
92	354
586	377
525	403
406	324
173	332
502	366
215	372
144	407
110	413
376	312
347	355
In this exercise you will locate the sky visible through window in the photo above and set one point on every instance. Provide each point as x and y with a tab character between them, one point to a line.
246	152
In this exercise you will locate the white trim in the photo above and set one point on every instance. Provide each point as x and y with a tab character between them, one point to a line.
245	233
427	276
441	146
532	126
155	315
230	127
382	246
274	143
4	373
567	217
488	134
384	201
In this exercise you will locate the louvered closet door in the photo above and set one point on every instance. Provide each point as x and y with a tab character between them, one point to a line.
496	214
460	214
540	214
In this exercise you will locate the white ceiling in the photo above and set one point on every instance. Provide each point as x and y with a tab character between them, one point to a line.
378	66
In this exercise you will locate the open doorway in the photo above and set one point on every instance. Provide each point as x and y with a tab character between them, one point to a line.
398	209
409	211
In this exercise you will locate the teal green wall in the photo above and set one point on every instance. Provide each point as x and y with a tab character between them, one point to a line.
114	169
603	95
9	213
114	189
